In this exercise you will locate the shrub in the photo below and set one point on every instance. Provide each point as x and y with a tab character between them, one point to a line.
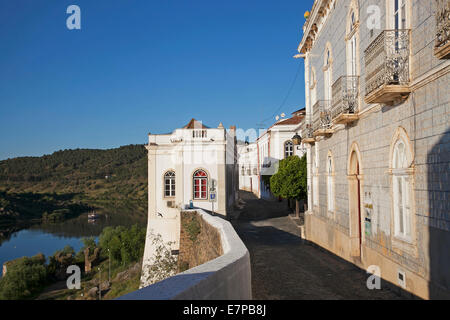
24	278
126	245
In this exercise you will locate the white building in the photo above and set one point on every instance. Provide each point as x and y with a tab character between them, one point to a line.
189	167
248	167
276	144
259	160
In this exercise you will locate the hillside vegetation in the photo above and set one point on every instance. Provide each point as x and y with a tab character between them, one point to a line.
70	181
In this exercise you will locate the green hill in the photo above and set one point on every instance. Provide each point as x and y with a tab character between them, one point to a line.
70	181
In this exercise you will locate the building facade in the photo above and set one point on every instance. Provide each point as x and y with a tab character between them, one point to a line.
259	160
248	167
378	134
192	167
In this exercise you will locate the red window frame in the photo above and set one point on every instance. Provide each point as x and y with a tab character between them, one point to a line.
200	185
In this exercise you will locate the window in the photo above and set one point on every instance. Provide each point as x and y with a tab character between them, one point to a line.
401	192
316	178
399	14
288	149
351	45
169	184
313	87
352	21
330	184
327	75
200	185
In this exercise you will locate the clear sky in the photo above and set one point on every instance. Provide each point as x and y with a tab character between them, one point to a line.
139	66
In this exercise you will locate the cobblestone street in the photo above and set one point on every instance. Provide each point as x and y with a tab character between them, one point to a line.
286	267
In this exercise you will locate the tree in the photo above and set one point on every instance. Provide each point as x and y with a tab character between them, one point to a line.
290	180
24	278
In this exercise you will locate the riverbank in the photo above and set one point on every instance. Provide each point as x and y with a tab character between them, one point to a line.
123	280
112	263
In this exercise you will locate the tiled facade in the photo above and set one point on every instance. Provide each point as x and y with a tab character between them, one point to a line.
422	115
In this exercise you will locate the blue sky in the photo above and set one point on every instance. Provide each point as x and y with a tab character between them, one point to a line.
139	66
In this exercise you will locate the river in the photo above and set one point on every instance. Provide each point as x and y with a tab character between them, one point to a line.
50	237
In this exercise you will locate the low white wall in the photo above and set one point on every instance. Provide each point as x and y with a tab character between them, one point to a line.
227	277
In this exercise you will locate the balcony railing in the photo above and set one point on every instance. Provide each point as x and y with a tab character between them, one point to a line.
344	106
307	130
442	44
387	67
322	118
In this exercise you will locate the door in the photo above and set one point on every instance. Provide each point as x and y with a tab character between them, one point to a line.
354	180
359	207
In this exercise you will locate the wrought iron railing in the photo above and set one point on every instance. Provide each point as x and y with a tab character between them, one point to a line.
442	22
322	115
345	96
387	60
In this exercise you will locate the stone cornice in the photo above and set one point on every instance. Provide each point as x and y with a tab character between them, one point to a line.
320	10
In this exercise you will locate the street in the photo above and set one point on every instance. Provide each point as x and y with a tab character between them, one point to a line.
284	266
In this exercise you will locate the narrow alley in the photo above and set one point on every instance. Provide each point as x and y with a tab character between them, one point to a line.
284	266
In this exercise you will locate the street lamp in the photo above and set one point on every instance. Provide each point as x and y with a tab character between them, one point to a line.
296	139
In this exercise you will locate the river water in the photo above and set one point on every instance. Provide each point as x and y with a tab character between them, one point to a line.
50	237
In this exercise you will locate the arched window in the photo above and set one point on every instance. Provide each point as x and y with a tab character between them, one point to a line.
169	184
200	185
313	88
401	169
327	73
351	44
401	191
352	21
330	183
288	149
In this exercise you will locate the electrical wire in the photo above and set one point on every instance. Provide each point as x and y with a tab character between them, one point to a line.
287	95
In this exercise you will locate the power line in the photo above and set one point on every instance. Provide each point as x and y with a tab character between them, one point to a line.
287	95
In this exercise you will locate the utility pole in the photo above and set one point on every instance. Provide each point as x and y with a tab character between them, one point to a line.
109	269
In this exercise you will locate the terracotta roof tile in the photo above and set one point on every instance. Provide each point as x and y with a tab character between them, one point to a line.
194	124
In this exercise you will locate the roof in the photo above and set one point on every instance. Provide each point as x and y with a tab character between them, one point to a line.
290	121
299	112
195	124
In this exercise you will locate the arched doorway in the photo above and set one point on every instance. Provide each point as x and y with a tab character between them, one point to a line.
355	191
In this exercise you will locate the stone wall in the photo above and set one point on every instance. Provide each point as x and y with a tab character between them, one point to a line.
227	277
199	242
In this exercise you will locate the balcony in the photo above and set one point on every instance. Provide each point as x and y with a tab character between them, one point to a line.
322	118
442	44
387	67
345	105
307	130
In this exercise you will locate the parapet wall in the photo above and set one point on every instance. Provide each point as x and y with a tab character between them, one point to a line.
199	241
227	277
